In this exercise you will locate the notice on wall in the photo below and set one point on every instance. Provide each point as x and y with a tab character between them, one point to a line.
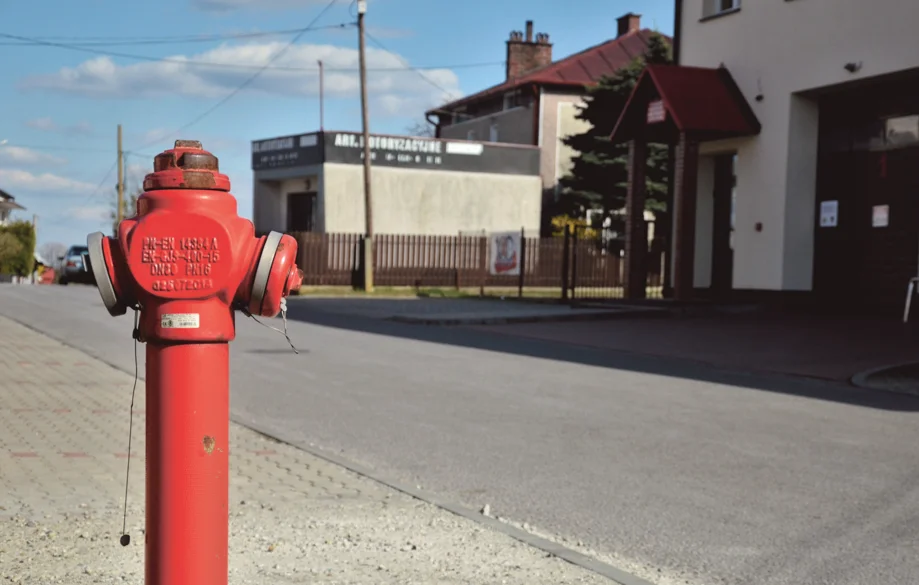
880	216
829	213
504	254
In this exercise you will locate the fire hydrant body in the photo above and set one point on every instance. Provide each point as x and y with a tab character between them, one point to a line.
187	261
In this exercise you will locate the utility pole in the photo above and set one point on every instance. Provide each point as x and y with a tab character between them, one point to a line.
321	96
119	214
365	115
35	233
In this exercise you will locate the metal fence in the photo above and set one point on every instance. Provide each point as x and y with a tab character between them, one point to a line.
572	267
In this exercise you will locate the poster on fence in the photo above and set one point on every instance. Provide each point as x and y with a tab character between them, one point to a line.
504	254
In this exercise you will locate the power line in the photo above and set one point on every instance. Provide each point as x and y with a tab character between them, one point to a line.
248	81
236	66
163	40
406	64
89	197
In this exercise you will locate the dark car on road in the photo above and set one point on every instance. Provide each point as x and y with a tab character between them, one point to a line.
75	266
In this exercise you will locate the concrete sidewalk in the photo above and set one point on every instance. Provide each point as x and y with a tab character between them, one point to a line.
294	518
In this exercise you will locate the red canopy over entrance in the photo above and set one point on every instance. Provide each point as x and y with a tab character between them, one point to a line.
679	105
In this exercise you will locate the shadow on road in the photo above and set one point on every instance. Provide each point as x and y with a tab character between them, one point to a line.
615	359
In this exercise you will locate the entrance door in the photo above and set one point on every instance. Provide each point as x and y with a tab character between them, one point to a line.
300	212
865	261
887	230
722	226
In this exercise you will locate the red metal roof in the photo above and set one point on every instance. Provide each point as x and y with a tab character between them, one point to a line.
579	69
697	100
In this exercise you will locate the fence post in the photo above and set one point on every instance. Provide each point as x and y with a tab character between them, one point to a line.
483	263
457	242
357	276
574	264
523	263
566	251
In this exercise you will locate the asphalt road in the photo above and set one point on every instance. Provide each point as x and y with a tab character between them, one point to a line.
670	470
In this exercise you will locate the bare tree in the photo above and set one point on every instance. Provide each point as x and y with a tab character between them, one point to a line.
424	129
51	252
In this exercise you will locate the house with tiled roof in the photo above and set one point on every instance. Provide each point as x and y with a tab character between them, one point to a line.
537	102
7	206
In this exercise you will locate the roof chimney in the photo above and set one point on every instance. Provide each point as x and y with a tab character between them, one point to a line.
628	23
527	53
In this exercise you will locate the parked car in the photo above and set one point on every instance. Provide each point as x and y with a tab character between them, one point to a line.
75	266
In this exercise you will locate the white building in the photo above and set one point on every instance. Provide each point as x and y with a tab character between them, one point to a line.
7	206
822	141
421	186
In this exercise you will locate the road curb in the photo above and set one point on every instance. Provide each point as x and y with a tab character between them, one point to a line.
510	320
860	380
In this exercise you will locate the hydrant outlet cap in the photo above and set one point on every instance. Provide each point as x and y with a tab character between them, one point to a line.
186	166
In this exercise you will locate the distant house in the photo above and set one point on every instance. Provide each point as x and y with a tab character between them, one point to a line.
7	206
536	104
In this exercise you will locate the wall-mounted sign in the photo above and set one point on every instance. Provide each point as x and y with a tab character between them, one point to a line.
504	253
411	152
395	151
286	151
829	213
656	112
880	216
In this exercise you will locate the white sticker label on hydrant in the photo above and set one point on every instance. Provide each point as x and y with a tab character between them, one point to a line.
180	321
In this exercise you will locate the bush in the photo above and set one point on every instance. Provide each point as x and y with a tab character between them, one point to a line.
17	248
562	222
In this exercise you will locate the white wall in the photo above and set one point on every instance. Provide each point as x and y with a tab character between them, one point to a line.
410	201
269	195
267	206
777	49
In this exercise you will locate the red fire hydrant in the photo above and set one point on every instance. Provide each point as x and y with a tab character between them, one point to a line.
187	261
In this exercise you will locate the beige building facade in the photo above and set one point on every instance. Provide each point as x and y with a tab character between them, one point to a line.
314	183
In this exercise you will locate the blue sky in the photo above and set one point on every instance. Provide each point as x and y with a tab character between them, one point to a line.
63	105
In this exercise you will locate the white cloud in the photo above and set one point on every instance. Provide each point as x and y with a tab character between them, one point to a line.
230	5
47	124
27	156
395	88
90	212
15	179
42	124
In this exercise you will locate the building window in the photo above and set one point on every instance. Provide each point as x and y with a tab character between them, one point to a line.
901	131
470	135
715	7
510	100
493	133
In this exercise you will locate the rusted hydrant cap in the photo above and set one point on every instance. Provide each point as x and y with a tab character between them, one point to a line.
186	166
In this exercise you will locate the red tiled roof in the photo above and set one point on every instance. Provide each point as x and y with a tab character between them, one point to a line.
579	69
699	100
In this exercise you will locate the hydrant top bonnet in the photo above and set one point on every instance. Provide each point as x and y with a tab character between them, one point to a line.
186	166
